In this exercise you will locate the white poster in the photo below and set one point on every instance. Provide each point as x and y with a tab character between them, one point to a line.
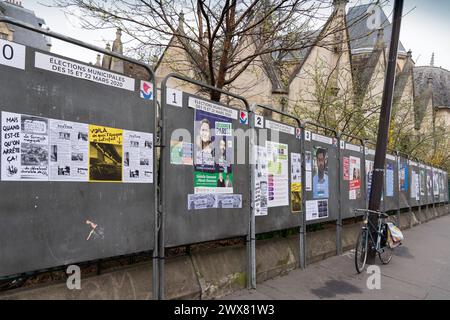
278	174
260	192
276	126
137	157
214	201
296	168
82	71
69	151
316	209
24	148
308	176
413	184
11	128
228	201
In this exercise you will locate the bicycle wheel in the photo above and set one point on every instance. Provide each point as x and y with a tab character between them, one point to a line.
386	254
361	251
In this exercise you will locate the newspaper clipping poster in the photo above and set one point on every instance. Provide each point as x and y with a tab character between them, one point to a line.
278	174
137	157
261	181
25	144
105	154
69	151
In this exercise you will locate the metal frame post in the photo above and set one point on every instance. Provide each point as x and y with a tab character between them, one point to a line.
341	178
339	218
301	216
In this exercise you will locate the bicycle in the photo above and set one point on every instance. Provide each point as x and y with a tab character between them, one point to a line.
380	245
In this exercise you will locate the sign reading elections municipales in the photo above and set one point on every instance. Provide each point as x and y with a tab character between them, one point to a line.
82	71
12	54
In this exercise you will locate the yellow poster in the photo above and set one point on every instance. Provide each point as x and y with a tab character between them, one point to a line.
105	154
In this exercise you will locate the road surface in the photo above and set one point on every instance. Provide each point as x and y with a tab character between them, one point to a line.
420	269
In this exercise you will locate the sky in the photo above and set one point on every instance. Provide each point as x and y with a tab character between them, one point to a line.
425	29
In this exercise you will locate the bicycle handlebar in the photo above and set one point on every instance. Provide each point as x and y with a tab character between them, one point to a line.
378	213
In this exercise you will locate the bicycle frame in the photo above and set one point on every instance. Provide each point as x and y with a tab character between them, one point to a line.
367	223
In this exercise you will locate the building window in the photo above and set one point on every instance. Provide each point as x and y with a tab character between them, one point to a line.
3	36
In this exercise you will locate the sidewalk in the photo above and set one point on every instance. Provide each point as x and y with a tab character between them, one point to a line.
420	269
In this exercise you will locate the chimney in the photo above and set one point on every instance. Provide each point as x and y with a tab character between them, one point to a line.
379	44
117	64
432	60
181	22
98	63
106	63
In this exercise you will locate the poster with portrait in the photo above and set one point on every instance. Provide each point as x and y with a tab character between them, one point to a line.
213	153
320	173
105	154
355	178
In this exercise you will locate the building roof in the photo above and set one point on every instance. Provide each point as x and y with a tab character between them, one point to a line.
21	35
363	38
440	81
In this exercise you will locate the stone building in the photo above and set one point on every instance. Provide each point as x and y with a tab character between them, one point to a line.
346	60
15	10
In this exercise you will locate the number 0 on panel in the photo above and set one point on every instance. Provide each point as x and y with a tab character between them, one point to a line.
12	54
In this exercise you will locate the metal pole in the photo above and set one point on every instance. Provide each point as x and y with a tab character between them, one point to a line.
385	118
341	177
302	235
251	283
397	165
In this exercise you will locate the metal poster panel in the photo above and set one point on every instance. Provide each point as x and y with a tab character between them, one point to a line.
48	199
204	171
277	177
322	173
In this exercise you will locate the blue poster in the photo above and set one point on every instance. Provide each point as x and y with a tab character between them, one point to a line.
389	180
403	177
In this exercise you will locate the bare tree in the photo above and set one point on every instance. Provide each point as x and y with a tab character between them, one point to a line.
220	39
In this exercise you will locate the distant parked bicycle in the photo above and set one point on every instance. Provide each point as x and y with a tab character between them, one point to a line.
379	241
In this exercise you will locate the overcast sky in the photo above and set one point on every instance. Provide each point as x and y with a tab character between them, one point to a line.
425	29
